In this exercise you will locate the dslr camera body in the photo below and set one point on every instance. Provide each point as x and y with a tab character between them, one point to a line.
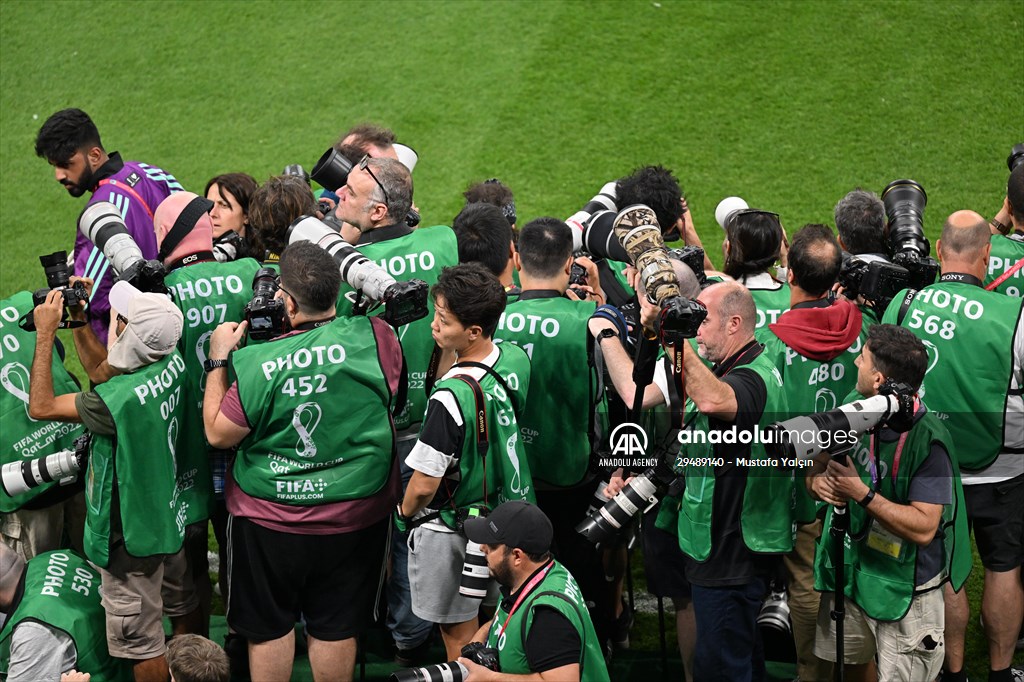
264	312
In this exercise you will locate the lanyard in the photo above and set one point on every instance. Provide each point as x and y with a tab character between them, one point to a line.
875	477
522	595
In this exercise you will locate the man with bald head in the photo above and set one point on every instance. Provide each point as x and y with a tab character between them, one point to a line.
207	293
975	341
735	514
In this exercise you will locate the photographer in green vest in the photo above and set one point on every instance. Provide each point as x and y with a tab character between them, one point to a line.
1005	272
208	293
735	515
469	457
55	622
142	484
314	479
814	345
557	425
975	342
34	521
375	200
541	630
907	533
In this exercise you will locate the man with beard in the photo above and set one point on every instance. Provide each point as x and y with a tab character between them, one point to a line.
70	142
542	626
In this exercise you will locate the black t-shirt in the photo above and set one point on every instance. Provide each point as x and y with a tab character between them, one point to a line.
552	641
730	562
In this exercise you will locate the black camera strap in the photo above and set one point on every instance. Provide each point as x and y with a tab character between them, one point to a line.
905	306
186	220
497	377
960	278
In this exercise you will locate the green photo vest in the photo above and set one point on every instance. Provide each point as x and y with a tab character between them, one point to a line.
62	591
771	303
1006	252
419	255
559	591
208	294
557	420
157	463
969	336
811	386
318	405
881	584
766	518
21	436
504	473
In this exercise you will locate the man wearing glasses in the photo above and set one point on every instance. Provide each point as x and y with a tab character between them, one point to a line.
314	479
375	200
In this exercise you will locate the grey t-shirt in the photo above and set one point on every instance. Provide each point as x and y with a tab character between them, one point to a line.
94	413
933	483
40	653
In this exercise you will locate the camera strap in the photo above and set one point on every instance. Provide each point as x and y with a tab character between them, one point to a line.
536	580
905	306
480	405
1005	276
127	188
876	478
184	224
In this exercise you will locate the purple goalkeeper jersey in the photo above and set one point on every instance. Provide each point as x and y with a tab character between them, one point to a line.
135	189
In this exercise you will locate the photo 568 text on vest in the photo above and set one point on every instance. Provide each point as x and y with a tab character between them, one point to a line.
629	446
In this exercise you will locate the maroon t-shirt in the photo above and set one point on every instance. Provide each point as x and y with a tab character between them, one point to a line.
334	517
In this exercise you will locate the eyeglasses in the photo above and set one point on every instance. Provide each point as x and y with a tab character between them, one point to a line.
364	164
285	291
755	211
122	319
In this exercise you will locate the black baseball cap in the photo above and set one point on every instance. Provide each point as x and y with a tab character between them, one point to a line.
515	524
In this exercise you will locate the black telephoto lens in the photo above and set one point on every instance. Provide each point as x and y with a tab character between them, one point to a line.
331	171
1016	156
904	209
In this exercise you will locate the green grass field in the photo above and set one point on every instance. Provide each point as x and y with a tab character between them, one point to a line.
788	104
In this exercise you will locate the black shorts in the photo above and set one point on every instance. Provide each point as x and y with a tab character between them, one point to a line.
330	581
664	562
995	512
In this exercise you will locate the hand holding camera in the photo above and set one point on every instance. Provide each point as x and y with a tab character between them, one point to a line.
225	338
49	314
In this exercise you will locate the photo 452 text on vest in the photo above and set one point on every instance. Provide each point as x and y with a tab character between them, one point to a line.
629	447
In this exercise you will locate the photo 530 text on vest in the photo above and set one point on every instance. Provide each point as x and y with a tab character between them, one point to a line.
629	447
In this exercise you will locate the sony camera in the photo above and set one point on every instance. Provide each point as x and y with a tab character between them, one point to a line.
453	671
877	281
404	302
904	211
103	225
55	265
693	258
1016	156
63	467
331	172
264	312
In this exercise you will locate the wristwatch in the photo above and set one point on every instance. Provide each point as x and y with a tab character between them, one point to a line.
606	334
867	498
210	365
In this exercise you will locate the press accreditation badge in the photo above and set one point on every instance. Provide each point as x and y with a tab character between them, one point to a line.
889	544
